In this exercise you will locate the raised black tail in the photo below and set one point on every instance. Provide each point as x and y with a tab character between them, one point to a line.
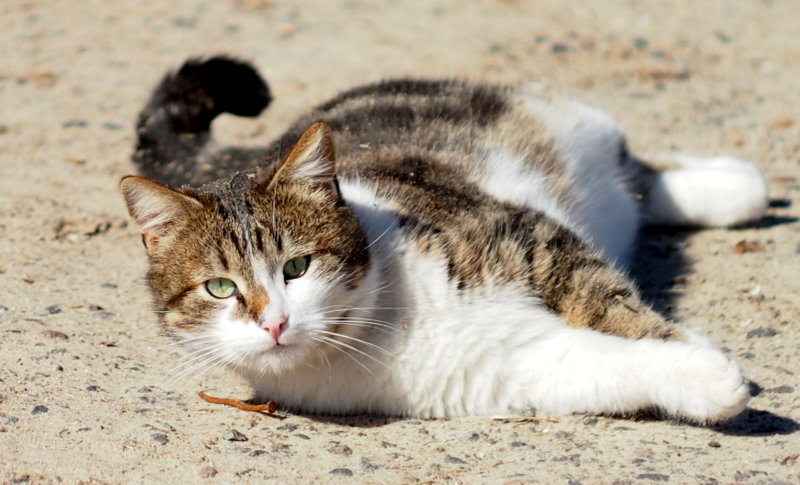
173	128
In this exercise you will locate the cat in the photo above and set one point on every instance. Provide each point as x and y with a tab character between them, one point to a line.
425	248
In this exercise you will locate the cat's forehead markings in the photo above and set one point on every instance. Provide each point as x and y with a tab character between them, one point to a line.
233	205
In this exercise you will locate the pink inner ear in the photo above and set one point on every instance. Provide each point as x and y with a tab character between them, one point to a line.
153	232
149	240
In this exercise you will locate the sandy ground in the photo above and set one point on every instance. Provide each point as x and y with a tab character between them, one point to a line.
85	387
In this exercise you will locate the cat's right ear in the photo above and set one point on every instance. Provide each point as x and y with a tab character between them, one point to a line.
156	209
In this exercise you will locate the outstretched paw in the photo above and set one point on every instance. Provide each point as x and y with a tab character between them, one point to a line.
707	386
719	191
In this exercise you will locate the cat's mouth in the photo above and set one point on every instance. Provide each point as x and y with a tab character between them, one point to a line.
278	348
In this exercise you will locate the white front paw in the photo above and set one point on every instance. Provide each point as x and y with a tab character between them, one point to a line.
707	387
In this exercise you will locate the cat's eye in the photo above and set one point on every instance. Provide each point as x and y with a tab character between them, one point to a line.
221	288
295	268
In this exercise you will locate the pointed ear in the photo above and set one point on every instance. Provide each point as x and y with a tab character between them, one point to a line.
156	208
312	159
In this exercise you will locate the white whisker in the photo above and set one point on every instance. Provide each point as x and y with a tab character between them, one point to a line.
386	329
358	340
379	237
338	346
354	349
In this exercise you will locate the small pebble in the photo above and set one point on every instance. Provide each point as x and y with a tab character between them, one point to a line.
184	22
339	449
160	438
656	477
590	420
234	435
54	334
302	436
714	444
342	472
762	332
470	436
559	48
39	409
281	448
367	465
208	472
640	42
53	309
454	460
93	388
111	126
287	427
722	37
3	308
258	452
74	124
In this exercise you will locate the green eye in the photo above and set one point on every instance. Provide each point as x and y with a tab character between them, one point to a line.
221	288
295	268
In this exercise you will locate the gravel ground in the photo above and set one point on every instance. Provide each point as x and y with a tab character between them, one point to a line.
86	393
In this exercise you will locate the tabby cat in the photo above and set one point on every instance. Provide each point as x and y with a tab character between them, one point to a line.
425	248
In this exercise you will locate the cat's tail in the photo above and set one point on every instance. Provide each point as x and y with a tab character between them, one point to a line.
173	129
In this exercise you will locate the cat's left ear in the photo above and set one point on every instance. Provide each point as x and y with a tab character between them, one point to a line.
312	160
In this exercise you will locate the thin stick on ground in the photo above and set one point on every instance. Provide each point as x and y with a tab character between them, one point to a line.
268	407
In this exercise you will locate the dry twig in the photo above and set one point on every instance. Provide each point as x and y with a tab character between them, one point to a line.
268	407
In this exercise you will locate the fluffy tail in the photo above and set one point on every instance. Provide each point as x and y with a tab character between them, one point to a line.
173	130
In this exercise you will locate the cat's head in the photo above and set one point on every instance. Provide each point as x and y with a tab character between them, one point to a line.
256	272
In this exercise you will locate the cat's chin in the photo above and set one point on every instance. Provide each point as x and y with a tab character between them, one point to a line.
276	360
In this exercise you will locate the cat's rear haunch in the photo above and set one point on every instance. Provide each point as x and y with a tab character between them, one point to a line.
425	248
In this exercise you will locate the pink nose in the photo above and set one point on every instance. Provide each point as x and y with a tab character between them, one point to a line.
275	327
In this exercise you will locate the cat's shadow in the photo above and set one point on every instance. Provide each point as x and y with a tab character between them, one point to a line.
756	422
360	421
752	422
659	263
658	266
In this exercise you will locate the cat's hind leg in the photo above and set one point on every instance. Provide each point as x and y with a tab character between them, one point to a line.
579	370
695	191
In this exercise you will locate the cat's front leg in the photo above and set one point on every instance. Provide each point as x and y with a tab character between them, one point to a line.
580	370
